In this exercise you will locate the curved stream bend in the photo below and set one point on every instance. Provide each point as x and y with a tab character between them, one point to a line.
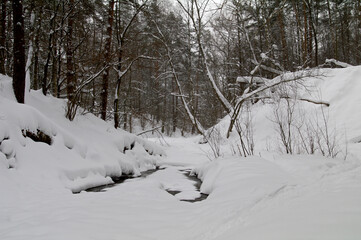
186	172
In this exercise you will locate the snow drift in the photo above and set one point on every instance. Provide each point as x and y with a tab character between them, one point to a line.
36	139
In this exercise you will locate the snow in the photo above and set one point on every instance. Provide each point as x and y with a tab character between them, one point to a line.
267	196
83	153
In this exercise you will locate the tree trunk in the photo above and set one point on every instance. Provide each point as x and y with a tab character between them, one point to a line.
70	74
59	60
117	90
107	58
37	52
54	72
30	51
358	32
3	36
8	43
310	33
299	38
174	108
44	82
306	57
283	39
19	51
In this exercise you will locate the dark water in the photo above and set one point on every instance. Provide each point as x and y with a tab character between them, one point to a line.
197	184
118	180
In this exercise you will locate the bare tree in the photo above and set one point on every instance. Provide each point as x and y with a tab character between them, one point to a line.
196	13
191	117
121	72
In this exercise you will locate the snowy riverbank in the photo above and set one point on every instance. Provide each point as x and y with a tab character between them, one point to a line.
267	196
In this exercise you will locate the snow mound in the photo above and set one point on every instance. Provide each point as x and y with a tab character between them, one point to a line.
38	145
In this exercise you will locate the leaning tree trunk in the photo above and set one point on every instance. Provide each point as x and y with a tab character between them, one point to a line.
19	51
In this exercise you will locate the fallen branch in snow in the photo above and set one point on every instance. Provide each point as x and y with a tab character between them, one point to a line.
156	129
337	63
147	131
327	104
269	69
282	79
312	101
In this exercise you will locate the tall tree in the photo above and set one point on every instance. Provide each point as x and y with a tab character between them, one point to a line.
19	51
70	73
107	59
121	35
30	49
196	13
50	46
3	36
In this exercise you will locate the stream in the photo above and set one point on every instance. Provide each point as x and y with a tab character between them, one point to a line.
176	190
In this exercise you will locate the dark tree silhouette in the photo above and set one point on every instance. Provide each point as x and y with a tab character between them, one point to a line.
19	51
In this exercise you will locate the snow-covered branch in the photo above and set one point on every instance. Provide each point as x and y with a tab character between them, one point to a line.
282	79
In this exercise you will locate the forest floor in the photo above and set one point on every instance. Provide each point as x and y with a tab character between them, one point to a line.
274	197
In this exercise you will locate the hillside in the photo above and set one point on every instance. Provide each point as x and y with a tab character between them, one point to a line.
337	87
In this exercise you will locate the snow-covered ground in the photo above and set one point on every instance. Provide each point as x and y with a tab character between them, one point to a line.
283	197
267	196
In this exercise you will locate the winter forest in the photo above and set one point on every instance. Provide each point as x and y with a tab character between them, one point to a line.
180	119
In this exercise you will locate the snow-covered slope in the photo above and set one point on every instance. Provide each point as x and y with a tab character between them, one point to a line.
75	155
338	87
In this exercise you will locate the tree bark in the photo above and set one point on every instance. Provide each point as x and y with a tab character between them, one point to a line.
30	51
283	39
70	74
107	57
37	52
19	51
44	83
306	57
3	36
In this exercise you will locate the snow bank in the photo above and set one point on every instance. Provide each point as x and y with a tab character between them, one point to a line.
40	146
283	197
338	87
